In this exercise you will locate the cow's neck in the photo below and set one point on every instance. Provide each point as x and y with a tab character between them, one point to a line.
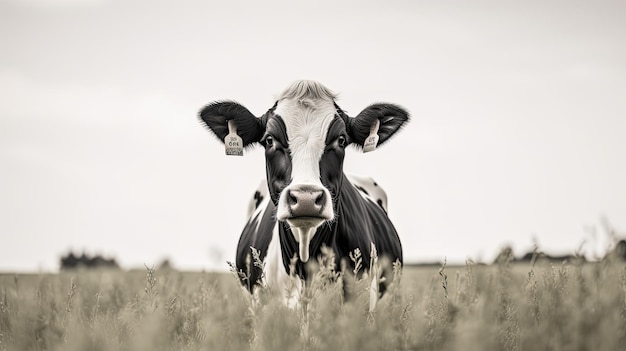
324	235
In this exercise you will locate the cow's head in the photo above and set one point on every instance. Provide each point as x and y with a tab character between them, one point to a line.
305	135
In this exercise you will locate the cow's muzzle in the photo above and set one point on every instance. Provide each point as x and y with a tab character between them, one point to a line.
304	207
305	201
305	204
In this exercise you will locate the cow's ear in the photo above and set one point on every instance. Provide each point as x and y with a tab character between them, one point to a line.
391	118
217	114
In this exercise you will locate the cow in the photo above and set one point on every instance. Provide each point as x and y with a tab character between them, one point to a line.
309	202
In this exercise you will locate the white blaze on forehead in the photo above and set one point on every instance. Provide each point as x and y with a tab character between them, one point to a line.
307	109
307	124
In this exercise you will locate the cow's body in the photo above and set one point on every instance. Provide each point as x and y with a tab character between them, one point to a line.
309	202
361	222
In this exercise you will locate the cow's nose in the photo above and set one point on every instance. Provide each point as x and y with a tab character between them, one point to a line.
306	201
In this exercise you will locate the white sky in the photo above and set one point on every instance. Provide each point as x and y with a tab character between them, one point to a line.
518	129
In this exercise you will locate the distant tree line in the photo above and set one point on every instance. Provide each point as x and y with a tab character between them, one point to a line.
71	261
506	255
618	252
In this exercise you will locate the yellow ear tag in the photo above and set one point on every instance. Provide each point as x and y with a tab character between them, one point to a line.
233	142
372	140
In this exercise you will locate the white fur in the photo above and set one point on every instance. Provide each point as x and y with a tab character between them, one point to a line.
263	191
374	192
307	109
276	277
307	128
258	213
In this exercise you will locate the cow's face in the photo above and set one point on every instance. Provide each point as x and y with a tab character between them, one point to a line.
305	135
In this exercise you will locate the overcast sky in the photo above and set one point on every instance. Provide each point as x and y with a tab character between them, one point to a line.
518	129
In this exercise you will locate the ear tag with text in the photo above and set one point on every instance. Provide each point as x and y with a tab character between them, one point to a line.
233	142
372	140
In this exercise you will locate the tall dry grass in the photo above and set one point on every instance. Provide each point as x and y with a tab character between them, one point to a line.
505	306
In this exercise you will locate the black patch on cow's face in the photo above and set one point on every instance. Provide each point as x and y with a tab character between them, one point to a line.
331	163
277	156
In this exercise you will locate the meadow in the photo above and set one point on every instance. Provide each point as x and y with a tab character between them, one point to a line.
502	306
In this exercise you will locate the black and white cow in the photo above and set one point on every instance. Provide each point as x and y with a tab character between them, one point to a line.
311	201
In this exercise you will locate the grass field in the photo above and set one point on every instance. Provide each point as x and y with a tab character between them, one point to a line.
503	306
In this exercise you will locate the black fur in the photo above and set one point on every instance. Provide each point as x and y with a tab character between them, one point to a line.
392	118
277	157
217	114
258	198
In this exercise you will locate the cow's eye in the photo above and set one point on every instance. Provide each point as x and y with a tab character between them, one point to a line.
341	141
269	141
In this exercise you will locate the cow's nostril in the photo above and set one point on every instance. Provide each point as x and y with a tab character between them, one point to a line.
319	200
305	201
292	199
